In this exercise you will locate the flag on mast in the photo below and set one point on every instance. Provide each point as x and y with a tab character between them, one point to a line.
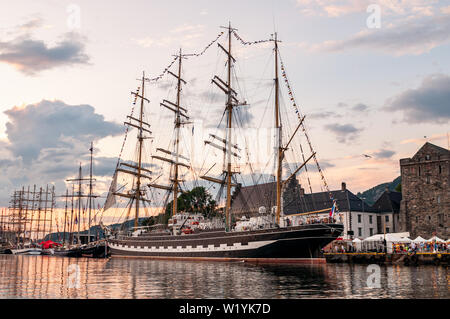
333	209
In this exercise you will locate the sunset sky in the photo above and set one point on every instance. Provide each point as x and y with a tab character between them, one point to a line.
67	69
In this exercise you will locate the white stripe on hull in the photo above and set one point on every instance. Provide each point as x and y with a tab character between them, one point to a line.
179	249
27	251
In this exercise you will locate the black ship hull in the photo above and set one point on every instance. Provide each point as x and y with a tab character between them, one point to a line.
69	252
303	241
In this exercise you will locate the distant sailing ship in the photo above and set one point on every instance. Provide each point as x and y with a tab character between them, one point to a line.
275	238
28	227
29	212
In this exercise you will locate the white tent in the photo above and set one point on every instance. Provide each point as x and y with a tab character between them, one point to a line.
419	240
357	242
403	240
435	238
448	240
390	237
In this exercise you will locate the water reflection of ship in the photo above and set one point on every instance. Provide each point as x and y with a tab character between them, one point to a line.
276	239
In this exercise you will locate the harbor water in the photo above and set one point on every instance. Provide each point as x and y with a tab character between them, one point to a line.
60	277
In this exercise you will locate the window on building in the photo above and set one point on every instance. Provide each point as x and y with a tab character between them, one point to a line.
427	157
429	218
371	231
386	218
441	220
387	229
428	179
439	199
359	218
370	219
417	219
440	169
419	170
359	231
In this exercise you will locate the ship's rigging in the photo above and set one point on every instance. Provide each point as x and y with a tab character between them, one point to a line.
143	192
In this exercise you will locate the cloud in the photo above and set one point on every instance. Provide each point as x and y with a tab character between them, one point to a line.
346	111
421	141
405	38
338	8
383	153
360	107
33	24
53	124
331	8
324	164
322	115
428	103
46	141
344	132
31	56
185	34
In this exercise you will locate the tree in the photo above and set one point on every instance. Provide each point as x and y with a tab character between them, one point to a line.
149	221
197	200
398	188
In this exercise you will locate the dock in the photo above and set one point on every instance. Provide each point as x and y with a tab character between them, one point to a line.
408	259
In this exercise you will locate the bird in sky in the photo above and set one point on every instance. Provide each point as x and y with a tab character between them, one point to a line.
368	156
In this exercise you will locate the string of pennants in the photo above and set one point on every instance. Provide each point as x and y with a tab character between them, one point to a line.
185	55
136	96
248	43
202	52
127	128
206	48
163	72
294	104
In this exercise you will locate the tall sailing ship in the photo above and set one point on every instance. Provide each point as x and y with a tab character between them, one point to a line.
274	238
29	218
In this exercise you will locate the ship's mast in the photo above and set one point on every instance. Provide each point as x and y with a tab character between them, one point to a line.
65	217
177	140
52	206
90	193
135	194
71	216
45	211
229	125
231	102
19	220
39	214
32	211
176	157
79	205
141	140
281	149
26	215
278	134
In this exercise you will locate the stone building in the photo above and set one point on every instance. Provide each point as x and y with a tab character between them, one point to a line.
425	205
